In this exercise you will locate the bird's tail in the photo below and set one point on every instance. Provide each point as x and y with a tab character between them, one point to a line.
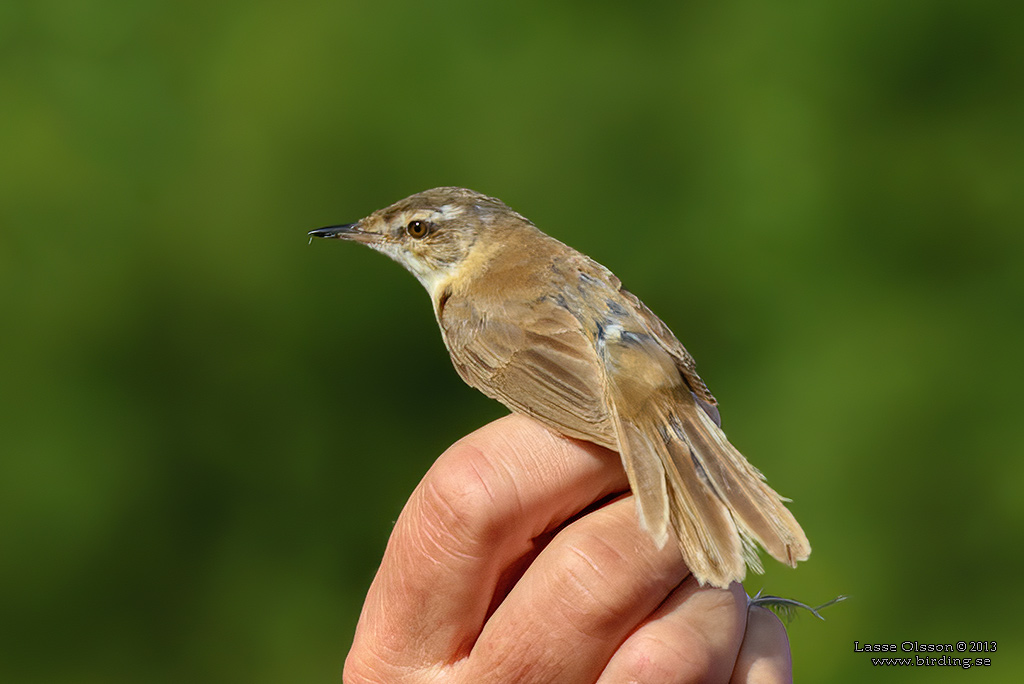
690	481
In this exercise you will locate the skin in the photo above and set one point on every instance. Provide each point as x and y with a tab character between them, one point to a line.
517	559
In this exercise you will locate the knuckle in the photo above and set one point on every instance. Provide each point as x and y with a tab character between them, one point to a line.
362	668
651	659
585	584
464	499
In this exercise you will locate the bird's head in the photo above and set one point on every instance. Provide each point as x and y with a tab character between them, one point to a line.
433	233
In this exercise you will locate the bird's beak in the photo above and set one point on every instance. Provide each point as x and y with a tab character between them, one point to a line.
349	231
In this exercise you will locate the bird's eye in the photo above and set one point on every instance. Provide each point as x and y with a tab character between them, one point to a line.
418	229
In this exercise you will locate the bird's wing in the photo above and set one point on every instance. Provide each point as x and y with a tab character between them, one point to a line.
633	308
684	362
535	358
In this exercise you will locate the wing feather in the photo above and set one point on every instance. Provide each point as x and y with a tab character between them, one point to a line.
670	343
535	358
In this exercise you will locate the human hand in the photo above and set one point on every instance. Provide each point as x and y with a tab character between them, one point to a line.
515	561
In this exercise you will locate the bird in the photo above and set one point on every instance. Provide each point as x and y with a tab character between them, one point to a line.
552	334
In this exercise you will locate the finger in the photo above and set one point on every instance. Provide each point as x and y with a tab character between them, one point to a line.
595	581
475	514
764	657
693	636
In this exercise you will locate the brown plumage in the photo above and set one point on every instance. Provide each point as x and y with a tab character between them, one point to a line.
553	334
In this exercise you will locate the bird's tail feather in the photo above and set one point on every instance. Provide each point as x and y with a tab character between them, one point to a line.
689	480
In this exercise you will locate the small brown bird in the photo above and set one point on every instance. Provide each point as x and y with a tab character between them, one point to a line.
552	334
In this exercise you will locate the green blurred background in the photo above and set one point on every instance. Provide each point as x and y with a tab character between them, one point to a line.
207	426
